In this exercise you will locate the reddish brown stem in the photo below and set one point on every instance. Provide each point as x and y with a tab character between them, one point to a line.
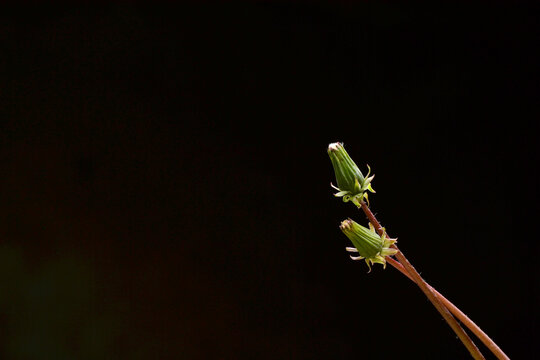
458	314
426	289
475	329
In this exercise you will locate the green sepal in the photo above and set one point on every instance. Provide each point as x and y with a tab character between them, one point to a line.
341	193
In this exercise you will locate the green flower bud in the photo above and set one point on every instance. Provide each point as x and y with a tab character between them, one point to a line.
367	243
351	183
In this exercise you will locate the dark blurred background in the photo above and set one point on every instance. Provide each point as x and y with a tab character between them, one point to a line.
165	188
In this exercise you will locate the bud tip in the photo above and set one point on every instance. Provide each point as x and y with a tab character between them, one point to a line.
346	224
334	146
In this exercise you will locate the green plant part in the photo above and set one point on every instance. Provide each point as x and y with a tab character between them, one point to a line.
369	245
351	183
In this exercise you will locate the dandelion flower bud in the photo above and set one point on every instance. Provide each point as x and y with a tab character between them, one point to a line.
351	183
370	246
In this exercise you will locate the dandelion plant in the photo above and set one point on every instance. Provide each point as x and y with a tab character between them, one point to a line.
373	245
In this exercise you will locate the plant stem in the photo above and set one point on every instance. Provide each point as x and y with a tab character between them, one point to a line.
469	344
475	329
426	289
490	344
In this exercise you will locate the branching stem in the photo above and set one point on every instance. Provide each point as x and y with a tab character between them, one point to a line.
458	314
428	291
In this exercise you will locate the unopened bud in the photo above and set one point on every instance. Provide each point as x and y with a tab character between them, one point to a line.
351	183
370	246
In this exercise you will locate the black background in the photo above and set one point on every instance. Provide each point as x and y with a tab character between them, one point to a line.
165	184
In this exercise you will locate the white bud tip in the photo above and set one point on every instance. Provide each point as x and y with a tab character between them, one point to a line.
334	146
346	224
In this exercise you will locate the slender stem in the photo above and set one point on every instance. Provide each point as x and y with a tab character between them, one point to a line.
465	320
475	329
426	289
469	344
